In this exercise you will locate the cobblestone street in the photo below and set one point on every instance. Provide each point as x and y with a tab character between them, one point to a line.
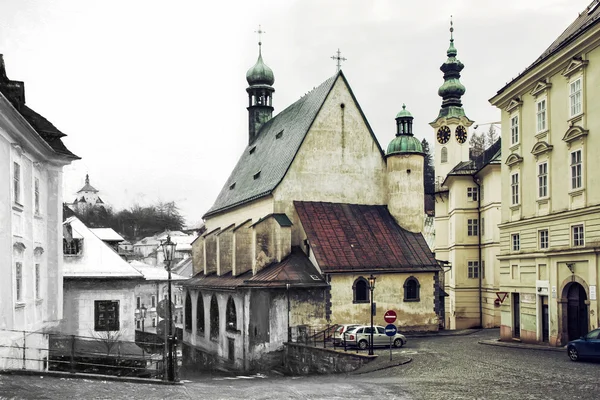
449	367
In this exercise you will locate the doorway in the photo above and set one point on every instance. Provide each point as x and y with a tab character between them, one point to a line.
545	319
516	316
577	313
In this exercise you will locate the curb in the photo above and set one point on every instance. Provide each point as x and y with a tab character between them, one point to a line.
443	333
96	377
403	362
521	346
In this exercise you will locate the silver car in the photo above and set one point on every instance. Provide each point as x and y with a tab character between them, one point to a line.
359	337
339	332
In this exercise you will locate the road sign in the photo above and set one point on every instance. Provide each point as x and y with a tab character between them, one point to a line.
162	310
162	328
390	316
391	330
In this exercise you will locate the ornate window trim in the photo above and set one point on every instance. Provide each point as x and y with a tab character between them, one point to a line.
541	148
540	87
513	159
577	64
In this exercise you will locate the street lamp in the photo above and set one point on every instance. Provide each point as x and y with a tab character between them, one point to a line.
169	250
371	288
141	315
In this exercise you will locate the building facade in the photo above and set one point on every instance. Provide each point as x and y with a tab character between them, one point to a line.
467	210
32	157
550	198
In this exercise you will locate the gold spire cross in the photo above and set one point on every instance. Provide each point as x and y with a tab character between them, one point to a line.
339	60
259	32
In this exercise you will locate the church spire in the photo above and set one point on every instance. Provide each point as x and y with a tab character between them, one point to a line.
260	92
451	90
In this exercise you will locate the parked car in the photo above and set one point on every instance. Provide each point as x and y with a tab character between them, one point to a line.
359	337
339	332
587	346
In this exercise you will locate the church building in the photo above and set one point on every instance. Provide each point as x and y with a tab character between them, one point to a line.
87	197
467	210
312	210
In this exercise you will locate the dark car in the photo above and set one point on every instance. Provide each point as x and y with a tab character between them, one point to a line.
587	346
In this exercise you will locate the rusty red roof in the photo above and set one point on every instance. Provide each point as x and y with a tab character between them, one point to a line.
296	270
352	237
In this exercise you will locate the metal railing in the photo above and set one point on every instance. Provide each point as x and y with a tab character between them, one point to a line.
316	336
26	350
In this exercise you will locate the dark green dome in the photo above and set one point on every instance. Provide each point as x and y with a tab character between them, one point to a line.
404	112
260	73
404	144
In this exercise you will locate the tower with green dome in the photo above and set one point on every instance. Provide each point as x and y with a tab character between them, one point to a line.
451	125
260	94
405	168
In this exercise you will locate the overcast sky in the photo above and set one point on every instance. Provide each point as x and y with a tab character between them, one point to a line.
152	94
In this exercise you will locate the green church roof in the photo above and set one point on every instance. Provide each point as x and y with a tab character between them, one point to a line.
260	73
404	144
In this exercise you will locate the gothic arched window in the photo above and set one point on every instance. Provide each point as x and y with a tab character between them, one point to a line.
214	318
188	313
200	315
444	157
231	316
411	289
361	290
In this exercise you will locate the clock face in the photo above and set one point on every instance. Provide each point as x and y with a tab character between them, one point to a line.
461	134
443	134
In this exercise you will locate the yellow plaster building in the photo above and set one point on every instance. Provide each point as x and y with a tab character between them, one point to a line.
467	210
550	227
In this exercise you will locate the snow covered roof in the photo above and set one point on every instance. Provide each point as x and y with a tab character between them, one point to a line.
96	259
152	273
107	234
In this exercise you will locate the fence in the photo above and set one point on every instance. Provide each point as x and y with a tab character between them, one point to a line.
328	337
104	354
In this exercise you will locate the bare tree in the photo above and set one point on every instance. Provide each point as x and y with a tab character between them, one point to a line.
109	339
477	144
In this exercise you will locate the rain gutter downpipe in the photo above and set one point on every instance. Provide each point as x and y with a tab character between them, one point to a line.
479	227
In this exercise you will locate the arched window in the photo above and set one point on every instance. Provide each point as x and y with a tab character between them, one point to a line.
188	312
411	289
214	318
200	315
444	157
361	290
231	315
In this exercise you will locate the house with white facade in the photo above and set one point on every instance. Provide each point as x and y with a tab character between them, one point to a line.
32	157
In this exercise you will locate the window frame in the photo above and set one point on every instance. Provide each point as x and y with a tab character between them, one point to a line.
412	289
578	238
200	315
543	240
472	227
542	180
473	269
515	241
444	155
577	94
19	282
541	115
106	327
576	169
360	280
515	183
515	131
17	183
472	193
187	314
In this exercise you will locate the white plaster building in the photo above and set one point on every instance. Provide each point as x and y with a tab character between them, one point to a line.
32	157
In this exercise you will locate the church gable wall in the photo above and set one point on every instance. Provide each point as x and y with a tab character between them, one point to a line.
210	253
272	243
339	161
225	241
198	256
242	245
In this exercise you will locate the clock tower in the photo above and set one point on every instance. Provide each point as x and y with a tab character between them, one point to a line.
451	126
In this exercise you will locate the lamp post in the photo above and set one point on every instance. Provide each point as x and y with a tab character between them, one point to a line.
371	288
169	250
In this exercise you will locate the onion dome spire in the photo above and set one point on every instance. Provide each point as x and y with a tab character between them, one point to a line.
451	90
404	142
260	73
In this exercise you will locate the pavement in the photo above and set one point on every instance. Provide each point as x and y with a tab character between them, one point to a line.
519	345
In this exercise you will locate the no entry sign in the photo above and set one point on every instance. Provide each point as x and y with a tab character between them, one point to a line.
390	316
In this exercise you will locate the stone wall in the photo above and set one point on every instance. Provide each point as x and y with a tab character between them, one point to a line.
301	359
